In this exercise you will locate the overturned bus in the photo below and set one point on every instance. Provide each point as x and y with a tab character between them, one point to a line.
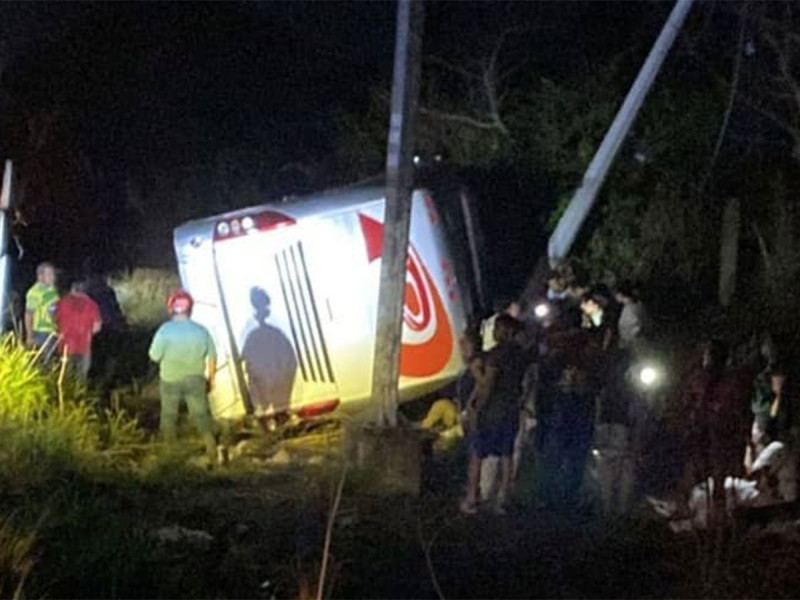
289	291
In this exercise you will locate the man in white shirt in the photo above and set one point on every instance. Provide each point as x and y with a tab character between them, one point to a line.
770	464
633	319
771	479
501	306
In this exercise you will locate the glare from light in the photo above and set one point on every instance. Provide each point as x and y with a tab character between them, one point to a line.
541	310
648	376
416	160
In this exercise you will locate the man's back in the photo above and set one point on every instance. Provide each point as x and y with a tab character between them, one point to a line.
181	347
718	420
511	362
106	299
77	316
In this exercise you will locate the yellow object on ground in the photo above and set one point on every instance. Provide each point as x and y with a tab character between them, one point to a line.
443	413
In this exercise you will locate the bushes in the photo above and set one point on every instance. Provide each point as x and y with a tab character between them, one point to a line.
142	294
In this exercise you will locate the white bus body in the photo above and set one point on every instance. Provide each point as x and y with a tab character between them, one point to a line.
289	292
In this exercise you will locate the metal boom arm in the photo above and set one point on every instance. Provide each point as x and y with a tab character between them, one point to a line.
569	224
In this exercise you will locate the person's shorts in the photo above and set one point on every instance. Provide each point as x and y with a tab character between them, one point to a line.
497	439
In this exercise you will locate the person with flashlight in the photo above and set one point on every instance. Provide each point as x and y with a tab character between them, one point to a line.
187	360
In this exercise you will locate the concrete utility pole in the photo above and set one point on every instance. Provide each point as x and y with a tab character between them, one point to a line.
397	212
5	205
581	204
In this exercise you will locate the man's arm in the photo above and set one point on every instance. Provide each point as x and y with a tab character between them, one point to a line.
485	386
748	458
97	323
211	361
29	326
156	352
211	365
30	308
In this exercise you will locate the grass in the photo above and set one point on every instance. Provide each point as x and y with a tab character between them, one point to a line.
52	438
17	558
82	493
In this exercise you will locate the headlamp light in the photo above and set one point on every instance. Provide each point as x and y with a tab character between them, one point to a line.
649	376
541	310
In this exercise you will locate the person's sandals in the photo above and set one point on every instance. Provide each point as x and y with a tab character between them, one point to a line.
499	509
468	508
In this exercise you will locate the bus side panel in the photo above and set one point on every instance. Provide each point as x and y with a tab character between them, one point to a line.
343	284
429	241
433	317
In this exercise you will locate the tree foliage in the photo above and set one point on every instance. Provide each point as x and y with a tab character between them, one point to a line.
714	126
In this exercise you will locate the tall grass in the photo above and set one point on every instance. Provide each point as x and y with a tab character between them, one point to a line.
142	294
23	389
43	437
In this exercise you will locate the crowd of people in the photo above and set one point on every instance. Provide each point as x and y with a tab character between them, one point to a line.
543	374
556	375
560	375
70	324
741	437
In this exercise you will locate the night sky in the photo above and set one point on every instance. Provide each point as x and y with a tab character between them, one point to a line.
140	88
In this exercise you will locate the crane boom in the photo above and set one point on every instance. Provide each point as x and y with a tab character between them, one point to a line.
580	206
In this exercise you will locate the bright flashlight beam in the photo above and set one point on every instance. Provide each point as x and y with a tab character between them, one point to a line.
541	310
648	375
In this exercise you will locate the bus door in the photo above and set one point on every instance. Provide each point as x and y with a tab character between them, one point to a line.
274	315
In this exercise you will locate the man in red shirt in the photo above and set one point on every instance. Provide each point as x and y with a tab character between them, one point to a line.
78	319
717	421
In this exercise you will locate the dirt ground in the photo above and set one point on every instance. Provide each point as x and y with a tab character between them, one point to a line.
256	529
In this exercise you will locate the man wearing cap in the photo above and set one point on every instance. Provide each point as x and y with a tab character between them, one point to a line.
187	359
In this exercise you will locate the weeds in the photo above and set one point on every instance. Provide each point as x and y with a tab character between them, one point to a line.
16	558
326	551
50	424
23	389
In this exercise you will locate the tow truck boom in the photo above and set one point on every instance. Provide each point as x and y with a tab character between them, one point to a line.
570	223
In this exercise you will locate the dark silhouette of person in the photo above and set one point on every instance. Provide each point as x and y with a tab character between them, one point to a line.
269	359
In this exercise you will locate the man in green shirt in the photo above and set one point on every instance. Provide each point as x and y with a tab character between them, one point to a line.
187	359
40	306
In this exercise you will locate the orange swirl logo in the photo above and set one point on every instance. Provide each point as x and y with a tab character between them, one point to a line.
428	337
